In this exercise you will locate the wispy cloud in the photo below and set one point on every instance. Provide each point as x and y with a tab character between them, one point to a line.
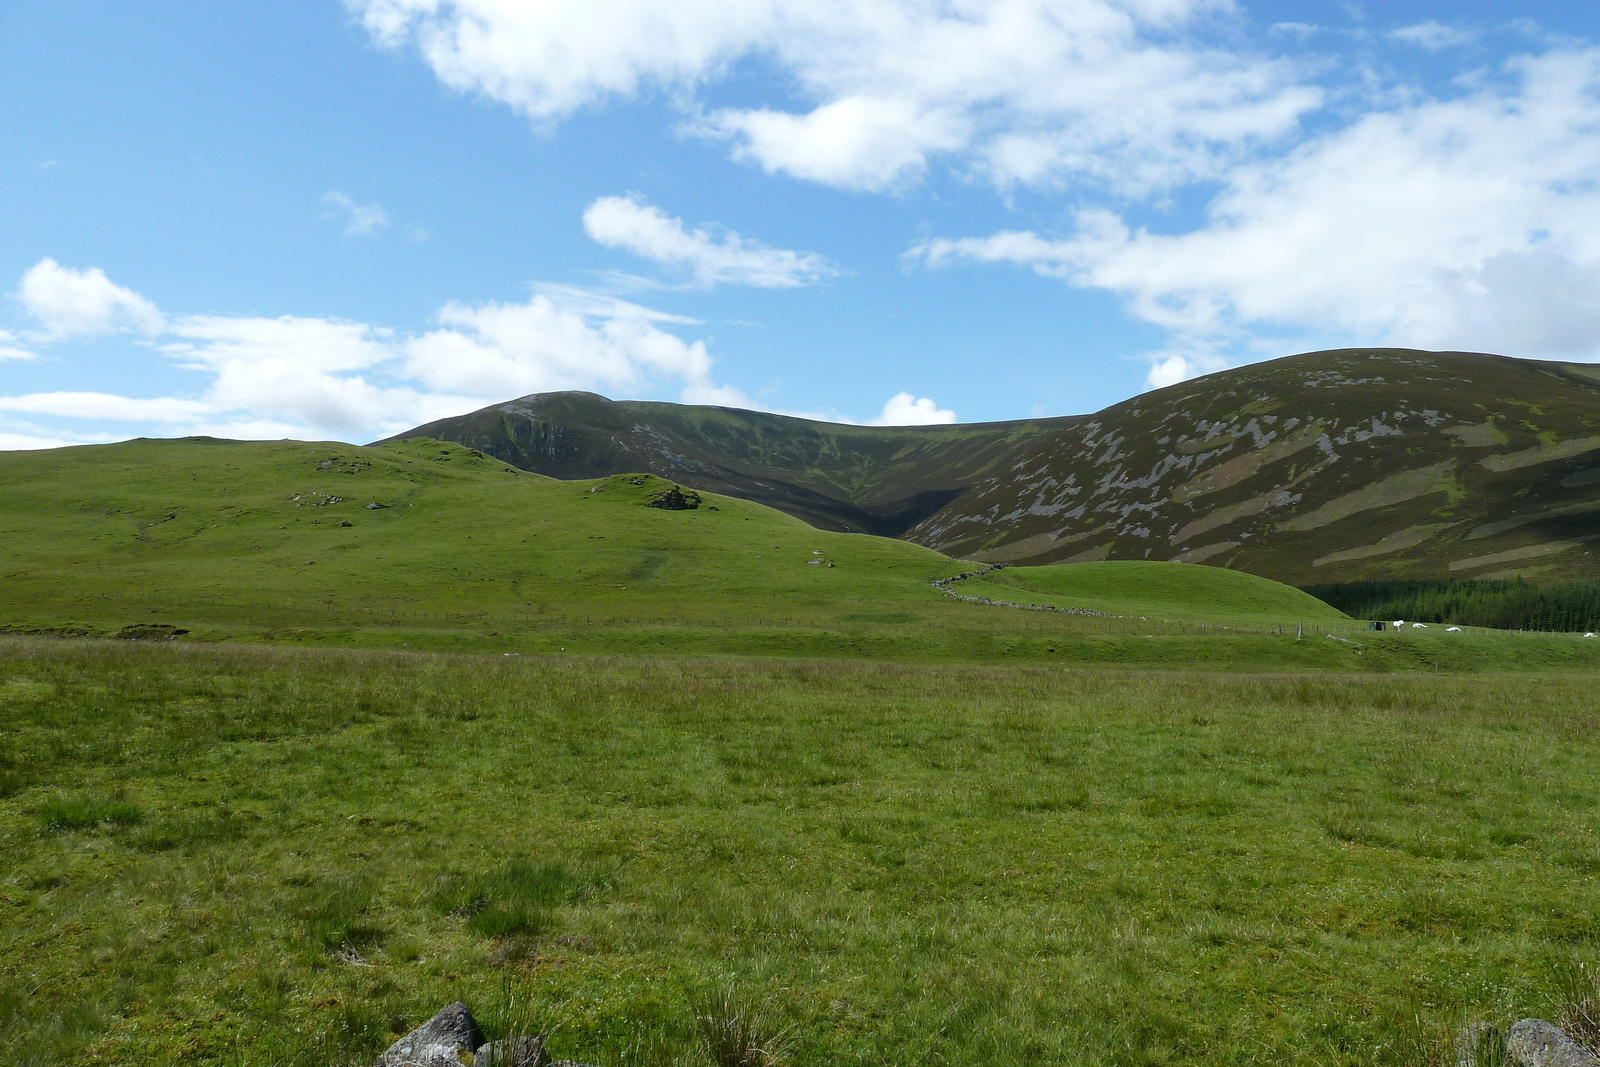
360	220
1433	36
1126	94
708	257
1472	222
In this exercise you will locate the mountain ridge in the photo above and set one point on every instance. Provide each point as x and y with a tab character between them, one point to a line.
1324	466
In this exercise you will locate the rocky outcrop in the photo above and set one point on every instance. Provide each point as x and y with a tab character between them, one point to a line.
1527	1043
439	1042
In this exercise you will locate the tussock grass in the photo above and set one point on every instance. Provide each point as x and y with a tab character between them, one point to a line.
737	1034
897	863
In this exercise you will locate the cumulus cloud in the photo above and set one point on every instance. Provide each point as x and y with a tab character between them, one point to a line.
631	224
318	377
1471	222
906	409
83	303
1021	91
556	340
360	220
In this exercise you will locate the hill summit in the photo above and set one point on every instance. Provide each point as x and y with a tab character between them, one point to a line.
1327	466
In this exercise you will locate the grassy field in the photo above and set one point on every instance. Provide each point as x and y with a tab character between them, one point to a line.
423	545
266	855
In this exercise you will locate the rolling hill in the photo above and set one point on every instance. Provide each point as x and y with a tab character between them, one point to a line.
862	479
422	534
1322	467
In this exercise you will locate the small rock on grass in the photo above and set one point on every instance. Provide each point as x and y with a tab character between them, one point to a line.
517	1052
1536	1043
438	1042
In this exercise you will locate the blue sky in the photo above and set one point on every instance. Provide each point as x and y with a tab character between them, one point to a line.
317	219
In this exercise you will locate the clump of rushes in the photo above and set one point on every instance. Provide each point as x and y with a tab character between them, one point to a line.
739	1035
1580	1015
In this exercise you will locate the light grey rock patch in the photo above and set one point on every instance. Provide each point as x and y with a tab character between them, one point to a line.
438	1042
1536	1043
517	1052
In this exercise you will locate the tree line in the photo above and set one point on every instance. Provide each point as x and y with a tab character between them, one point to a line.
1508	604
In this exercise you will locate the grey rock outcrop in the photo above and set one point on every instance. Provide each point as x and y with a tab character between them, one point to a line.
517	1052
1536	1043
438	1042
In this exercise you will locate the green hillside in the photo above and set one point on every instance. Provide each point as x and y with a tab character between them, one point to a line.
291	534
1162	590
430	545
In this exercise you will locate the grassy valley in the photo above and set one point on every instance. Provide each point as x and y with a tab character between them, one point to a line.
397	725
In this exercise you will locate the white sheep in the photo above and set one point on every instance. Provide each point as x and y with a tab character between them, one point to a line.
1452	629
1419	626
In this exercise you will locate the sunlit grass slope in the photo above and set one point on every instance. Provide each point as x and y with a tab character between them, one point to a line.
1169	590
296	534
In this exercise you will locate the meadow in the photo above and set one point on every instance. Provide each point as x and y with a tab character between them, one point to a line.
253	855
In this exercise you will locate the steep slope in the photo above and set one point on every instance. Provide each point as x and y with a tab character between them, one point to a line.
867	479
1327	466
1322	467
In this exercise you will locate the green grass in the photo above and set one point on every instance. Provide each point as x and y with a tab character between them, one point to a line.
274	542
868	863
1163	590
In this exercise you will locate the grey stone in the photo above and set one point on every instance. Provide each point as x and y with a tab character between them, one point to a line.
517	1052
438	1042
1536	1043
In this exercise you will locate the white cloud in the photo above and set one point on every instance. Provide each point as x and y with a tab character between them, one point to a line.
19	442
105	406
360	220
857	142
1433	36
1030	91
559	339
83	303
317	377
626	222
905	409
9	349
1471	222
